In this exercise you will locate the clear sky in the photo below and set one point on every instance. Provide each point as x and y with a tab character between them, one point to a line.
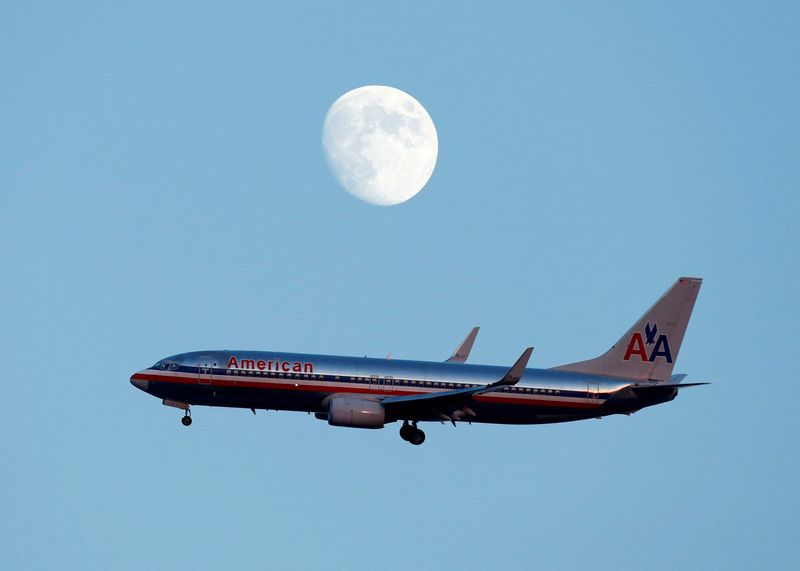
163	189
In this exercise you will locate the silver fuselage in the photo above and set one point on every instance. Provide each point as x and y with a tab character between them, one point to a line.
304	382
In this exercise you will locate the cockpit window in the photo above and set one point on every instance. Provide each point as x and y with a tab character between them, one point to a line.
166	365
172	366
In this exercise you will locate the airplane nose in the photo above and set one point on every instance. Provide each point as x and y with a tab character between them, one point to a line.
139	383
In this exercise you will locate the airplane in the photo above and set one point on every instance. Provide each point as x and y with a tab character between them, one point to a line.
361	392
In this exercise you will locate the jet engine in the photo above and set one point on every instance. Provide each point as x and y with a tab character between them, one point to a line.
356	412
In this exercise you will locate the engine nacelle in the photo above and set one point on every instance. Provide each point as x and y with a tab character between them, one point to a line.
356	412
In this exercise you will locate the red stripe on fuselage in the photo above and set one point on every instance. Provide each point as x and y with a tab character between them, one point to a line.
294	384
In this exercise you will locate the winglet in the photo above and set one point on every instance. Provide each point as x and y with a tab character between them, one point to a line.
515	373
460	355
458	396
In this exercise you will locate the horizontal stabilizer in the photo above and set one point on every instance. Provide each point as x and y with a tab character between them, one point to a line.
646	388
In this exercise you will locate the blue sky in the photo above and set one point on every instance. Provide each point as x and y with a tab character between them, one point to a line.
163	189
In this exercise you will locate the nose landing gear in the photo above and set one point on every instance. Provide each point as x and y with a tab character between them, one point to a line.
187	411
410	433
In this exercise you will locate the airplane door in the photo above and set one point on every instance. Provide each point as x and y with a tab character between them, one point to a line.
388	383
593	392
204	369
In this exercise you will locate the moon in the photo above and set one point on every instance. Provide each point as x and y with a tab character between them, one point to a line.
380	143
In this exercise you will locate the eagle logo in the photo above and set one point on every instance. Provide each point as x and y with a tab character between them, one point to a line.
638	346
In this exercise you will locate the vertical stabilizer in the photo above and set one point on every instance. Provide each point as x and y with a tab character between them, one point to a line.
649	349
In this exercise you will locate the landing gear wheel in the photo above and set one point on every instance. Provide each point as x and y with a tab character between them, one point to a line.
417	437
405	431
186	420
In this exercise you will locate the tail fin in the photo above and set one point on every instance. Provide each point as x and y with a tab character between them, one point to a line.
649	349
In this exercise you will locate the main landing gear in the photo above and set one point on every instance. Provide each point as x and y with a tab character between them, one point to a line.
187	416
410	433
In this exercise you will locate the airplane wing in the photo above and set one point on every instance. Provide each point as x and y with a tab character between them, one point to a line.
460	355
452	405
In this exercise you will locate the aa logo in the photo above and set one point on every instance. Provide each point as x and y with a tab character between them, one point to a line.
658	347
